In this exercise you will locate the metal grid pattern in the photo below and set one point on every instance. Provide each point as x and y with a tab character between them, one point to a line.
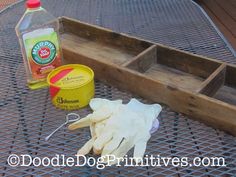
27	117
5	3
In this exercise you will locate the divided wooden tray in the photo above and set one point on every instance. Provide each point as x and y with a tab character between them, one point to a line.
200	87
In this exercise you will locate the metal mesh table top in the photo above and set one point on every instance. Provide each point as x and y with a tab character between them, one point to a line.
27	117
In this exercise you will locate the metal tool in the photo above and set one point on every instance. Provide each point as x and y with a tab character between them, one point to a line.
69	118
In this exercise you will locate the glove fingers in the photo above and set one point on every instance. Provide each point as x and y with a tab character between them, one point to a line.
99	128
111	146
94	117
92	130
139	150
123	149
97	152
100	115
84	122
87	147
102	140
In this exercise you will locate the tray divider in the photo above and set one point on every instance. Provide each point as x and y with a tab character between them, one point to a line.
213	83
142	61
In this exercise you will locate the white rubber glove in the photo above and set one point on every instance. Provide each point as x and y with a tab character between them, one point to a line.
137	106
103	109
128	127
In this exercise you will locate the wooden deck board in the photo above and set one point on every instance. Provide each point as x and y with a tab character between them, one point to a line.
223	14
232	2
228	8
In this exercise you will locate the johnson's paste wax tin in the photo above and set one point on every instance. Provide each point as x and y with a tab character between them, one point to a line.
71	86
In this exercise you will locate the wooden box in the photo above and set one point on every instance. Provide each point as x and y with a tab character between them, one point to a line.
202	88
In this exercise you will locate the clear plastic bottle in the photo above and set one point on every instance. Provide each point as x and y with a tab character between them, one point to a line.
38	33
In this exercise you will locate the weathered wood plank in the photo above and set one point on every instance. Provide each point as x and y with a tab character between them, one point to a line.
98	51
143	61
213	83
230	76
226	94
191	64
99	34
170	76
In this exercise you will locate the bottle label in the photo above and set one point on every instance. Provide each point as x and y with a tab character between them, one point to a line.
42	51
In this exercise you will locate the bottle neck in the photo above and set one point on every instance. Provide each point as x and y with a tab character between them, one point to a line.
34	9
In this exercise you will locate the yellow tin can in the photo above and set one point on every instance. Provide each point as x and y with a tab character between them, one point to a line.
71	86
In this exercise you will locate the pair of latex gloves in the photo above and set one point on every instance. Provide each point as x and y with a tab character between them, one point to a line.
116	128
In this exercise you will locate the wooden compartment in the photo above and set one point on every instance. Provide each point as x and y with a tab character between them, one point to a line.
103	45
200	87
224	88
177	69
